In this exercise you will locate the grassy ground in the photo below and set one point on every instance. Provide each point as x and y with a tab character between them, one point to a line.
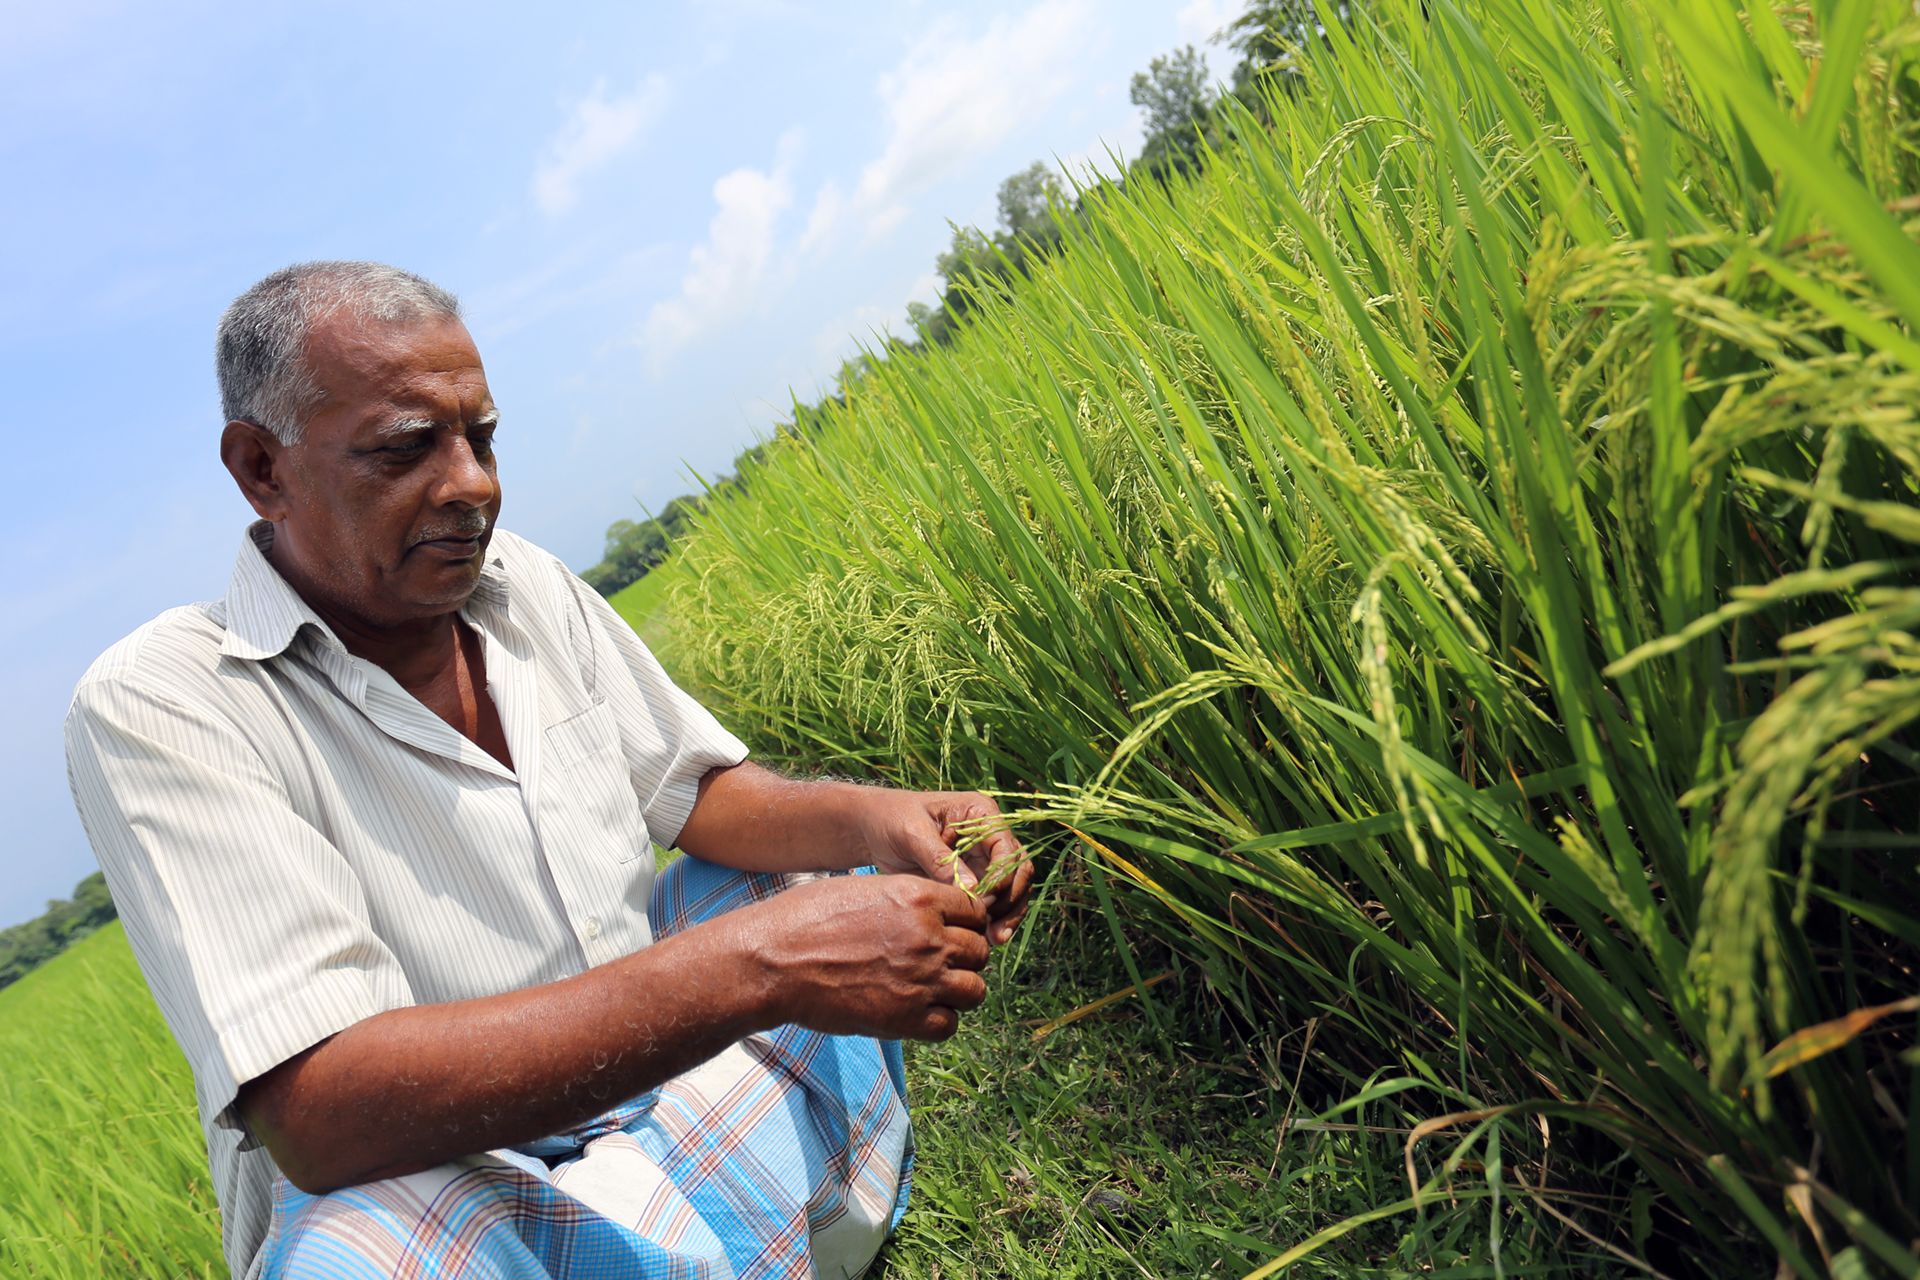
1108	1147
639	603
101	1172
1100	1149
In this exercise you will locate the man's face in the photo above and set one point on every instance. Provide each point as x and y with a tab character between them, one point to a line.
391	494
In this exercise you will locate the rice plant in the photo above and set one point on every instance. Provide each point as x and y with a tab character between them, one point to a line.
103	1171
1454	562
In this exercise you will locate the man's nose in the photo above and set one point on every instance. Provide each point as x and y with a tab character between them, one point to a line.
464	481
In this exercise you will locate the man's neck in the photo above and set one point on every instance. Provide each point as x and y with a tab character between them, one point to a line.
416	652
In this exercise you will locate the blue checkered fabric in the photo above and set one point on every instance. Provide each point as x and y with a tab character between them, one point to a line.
793	1159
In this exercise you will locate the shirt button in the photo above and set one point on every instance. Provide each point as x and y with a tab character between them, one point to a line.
591	927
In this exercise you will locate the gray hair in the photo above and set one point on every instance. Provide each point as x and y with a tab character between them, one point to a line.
260	354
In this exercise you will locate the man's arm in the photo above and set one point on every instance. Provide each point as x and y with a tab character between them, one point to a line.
753	819
409	1088
894	957
255	936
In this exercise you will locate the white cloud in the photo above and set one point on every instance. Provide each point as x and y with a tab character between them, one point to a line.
953	99
600	128
1201	20
828	206
734	268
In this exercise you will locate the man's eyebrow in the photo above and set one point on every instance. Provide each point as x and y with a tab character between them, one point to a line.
404	427
410	426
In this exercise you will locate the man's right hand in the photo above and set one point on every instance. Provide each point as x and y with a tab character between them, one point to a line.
895	957
889	956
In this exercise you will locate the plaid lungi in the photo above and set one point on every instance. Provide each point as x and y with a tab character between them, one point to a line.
788	1155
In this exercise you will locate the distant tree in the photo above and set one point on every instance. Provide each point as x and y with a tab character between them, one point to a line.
632	547
852	370
1026	202
969	261
1267	36
25	947
970	256
94	900
1178	101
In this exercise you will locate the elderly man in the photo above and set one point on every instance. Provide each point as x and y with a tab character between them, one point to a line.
381	825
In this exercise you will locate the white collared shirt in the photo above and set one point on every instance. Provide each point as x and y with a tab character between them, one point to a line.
296	843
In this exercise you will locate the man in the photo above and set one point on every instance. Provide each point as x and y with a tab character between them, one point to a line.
380	825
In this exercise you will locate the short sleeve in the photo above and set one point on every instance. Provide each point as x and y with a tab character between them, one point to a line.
670	740
252	930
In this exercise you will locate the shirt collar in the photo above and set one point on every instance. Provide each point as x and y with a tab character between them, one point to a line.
265	614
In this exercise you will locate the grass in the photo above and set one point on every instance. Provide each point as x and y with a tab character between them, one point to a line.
102	1172
639	603
1449	570
1111	1146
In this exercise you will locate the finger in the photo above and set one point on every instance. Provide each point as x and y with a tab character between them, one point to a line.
1002	850
936	860
1002	931
937	1023
1012	893
978	804
964	811
966	948
962	989
1008	913
957	908
978	862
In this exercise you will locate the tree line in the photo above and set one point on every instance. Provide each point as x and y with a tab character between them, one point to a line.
1184	124
25	947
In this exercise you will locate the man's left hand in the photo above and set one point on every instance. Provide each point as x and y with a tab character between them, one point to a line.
917	832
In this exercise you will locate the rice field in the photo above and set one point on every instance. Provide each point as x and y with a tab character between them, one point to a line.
1448	571
639	603
102	1172
1438	589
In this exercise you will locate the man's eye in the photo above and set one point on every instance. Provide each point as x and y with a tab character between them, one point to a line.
411	449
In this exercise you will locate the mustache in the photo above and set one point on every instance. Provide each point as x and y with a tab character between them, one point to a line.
472	525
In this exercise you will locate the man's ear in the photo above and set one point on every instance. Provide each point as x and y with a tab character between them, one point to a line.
257	461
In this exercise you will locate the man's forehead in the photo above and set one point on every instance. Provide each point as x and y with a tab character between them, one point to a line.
344	345
353	359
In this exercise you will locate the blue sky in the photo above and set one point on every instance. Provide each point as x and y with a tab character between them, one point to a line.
663	220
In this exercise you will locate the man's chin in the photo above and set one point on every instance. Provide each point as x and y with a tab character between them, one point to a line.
438	586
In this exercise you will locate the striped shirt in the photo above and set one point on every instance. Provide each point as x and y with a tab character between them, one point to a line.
296	843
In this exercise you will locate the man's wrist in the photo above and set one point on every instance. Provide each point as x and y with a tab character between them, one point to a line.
748	948
852	812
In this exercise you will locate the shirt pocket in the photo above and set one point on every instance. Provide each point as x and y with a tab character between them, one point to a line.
586	794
